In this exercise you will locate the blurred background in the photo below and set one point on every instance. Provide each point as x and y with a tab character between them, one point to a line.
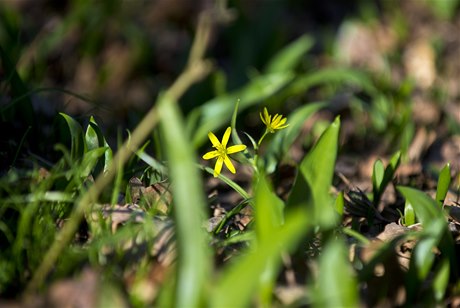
110	59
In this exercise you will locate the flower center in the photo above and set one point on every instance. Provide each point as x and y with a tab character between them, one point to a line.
222	151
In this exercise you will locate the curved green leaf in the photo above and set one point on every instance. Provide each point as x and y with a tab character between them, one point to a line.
425	208
409	214
247	270
443	184
336	285
194	261
328	76
289	57
314	179
77	146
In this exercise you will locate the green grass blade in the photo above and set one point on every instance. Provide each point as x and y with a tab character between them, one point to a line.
425	208
441	280
194	262
443	184
340	203
94	138
268	217
331	75
229	182
314	179
247	270
91	136
269	209
409	214
377	177
235	137
290	56
381	180
423	254
336	285
77	141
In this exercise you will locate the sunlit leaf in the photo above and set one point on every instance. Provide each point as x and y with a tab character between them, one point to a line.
314	179
328	76
409	214
382	177
340	203
247	269
425	208
269	217
441	280
423	254
77	146
377	175
443	184
336	285
194	261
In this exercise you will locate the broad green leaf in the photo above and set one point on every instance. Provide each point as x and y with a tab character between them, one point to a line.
77	146
314	179
94	139
377	175
268	218
381	181
284	138
340	203
240	280
425	208
290	56
443	184
215	113
194	262
328	76
336	285
441	280
269	209
91	137
423	254
409	214
90	160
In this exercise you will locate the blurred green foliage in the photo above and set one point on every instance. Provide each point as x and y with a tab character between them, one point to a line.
117	61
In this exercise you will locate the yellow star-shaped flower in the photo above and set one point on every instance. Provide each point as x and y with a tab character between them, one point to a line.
221	152
272	124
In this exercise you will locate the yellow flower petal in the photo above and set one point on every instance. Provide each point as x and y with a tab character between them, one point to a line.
218	166
276	120
267	116
211	154
226	136
272	124
236	148
215	142
221	152
282	122
262	118
229	165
